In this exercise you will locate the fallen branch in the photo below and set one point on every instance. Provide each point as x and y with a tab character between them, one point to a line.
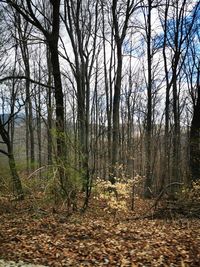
154	205
38	170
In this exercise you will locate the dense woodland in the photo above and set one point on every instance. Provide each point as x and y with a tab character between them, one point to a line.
100	112
105	89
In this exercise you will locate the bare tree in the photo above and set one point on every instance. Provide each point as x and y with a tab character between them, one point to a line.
23	32
120	26
192	72
176	32
30	11
82	31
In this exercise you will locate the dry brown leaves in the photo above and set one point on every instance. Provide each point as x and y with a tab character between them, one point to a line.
97	239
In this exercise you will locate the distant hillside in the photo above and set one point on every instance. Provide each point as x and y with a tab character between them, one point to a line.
19	118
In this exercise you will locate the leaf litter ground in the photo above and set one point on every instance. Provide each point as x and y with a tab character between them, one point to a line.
96	238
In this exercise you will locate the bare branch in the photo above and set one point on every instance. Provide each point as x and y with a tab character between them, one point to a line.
3	152
25	78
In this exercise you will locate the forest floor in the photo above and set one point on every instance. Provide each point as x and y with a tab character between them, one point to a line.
96	238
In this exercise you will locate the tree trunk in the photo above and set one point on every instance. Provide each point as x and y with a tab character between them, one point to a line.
195	136
49	108
148	141
59	100
116	103
17	186
23	32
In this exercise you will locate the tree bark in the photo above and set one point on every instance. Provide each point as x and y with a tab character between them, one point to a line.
195	136
148	141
